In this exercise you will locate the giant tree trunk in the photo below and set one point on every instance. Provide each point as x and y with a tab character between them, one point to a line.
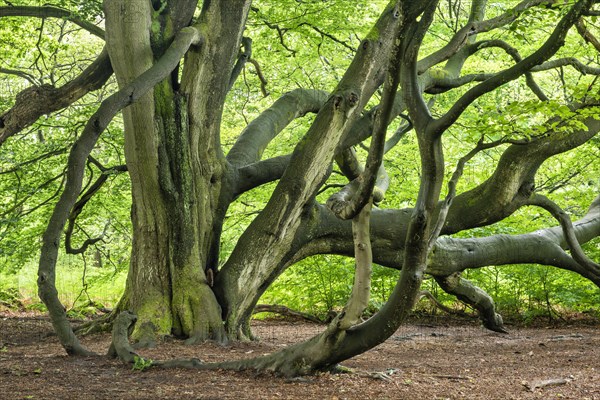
176	166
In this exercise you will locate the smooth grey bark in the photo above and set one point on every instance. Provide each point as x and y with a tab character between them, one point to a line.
253	140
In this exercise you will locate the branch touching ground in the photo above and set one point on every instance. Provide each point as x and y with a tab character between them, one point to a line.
470	294
120	346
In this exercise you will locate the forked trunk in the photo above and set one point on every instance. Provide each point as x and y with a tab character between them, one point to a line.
176	167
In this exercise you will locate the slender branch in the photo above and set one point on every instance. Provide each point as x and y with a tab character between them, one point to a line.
261	77
34	160
30	78
363	256
399	134
567	226
447	202
243	57
587	35
567	61
459	40
51	12
328	35
78	208
547	50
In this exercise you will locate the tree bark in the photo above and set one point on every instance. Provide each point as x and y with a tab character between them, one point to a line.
177	170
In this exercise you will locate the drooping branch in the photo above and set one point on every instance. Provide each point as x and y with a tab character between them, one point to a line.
36	101
470	294
51	12
568	232
120	346
547	50
76	165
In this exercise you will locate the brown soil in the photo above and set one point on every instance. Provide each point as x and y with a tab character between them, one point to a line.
421	361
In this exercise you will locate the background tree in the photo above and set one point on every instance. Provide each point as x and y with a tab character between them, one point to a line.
175	72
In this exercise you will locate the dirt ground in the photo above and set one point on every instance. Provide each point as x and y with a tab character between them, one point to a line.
432	360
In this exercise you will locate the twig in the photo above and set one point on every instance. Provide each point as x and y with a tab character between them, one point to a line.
548	382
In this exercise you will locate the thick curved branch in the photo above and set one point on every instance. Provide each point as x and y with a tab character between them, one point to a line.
567	226
281	219
76	166
470	294
349	164
254	139
36	101
120	346
547	50
545	246
51	12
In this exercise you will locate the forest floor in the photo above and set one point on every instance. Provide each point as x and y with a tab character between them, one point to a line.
423	360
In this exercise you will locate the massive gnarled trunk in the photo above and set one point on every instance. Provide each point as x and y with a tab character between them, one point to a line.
174	159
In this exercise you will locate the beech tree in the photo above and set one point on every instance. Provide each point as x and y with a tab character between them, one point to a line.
176	61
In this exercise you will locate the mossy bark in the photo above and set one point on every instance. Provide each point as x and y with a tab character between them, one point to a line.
176	166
